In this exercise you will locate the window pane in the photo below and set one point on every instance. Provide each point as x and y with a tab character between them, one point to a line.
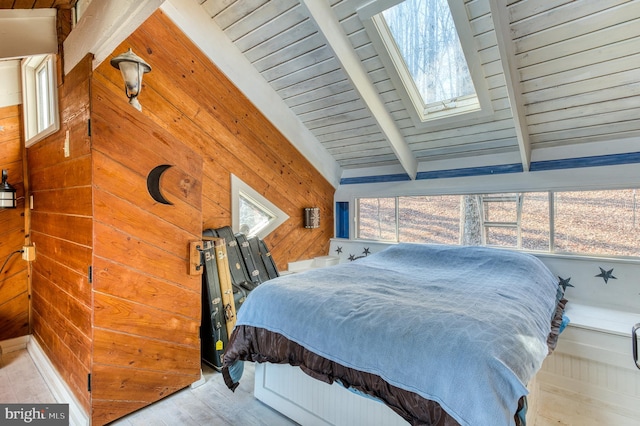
42	97
253	217
535	221
504	209
377	219
501	236
597	222
430	219
428	41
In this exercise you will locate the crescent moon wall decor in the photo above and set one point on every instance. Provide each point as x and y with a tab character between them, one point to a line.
153	183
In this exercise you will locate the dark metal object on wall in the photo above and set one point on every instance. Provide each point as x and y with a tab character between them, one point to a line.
153	184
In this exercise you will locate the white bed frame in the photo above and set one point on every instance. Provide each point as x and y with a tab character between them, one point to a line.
311	402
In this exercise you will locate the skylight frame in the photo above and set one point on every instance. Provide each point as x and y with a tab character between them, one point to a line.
468	108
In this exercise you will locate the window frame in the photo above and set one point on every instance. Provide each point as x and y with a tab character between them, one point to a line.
551	250
31	97
471	107
239	187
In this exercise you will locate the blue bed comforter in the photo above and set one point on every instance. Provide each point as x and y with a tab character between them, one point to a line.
464	326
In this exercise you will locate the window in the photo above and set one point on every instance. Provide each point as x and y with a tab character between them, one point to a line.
79	9
39	97
601	222
252	213
584	222
421	44
427	40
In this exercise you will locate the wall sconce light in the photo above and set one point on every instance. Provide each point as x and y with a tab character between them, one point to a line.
132	68
7	193
312	217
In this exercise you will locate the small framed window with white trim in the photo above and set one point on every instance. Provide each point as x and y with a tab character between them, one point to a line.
39	98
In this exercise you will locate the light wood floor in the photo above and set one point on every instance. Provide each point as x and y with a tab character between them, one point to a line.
209	404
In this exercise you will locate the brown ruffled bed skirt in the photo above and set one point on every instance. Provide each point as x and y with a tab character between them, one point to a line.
260	345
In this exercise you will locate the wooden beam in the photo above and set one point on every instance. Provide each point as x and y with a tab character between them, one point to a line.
500	17
103	26
330	27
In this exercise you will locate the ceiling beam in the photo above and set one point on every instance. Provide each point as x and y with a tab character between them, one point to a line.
506	47
103	26
327	22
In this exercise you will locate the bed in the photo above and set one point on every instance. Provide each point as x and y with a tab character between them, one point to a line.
443	335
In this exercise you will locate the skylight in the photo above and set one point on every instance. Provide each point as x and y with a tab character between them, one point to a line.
428	49
426	37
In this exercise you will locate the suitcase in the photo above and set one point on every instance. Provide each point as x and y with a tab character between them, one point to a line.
226	289
239	293
254	245
269	264
249	260
239	274
213	333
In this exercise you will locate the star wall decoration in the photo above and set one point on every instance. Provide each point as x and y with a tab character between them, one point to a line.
339	250
365	253
606	275
564	283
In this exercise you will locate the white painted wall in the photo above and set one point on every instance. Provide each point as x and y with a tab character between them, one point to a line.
28	32
10	86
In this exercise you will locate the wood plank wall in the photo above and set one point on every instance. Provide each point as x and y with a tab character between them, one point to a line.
62	229
146	309
136	331
14	296
146	305
191	99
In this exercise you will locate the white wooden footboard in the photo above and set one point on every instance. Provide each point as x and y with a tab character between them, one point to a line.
314	403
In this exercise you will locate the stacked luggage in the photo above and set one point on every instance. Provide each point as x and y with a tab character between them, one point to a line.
234	265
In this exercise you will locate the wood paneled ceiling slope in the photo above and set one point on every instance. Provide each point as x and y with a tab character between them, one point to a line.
559	78
562	78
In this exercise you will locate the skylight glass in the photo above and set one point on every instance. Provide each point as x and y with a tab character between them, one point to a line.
426	38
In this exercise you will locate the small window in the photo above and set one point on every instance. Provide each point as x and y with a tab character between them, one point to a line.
598	222
252	213
432	219
377	219
39	97
79	9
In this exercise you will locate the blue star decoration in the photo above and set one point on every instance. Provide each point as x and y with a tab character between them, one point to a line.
564	283
339	250
606	275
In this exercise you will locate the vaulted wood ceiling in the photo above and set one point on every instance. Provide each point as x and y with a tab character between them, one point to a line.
560	74
562	78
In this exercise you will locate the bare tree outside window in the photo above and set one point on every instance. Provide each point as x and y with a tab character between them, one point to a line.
583	222
426	36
